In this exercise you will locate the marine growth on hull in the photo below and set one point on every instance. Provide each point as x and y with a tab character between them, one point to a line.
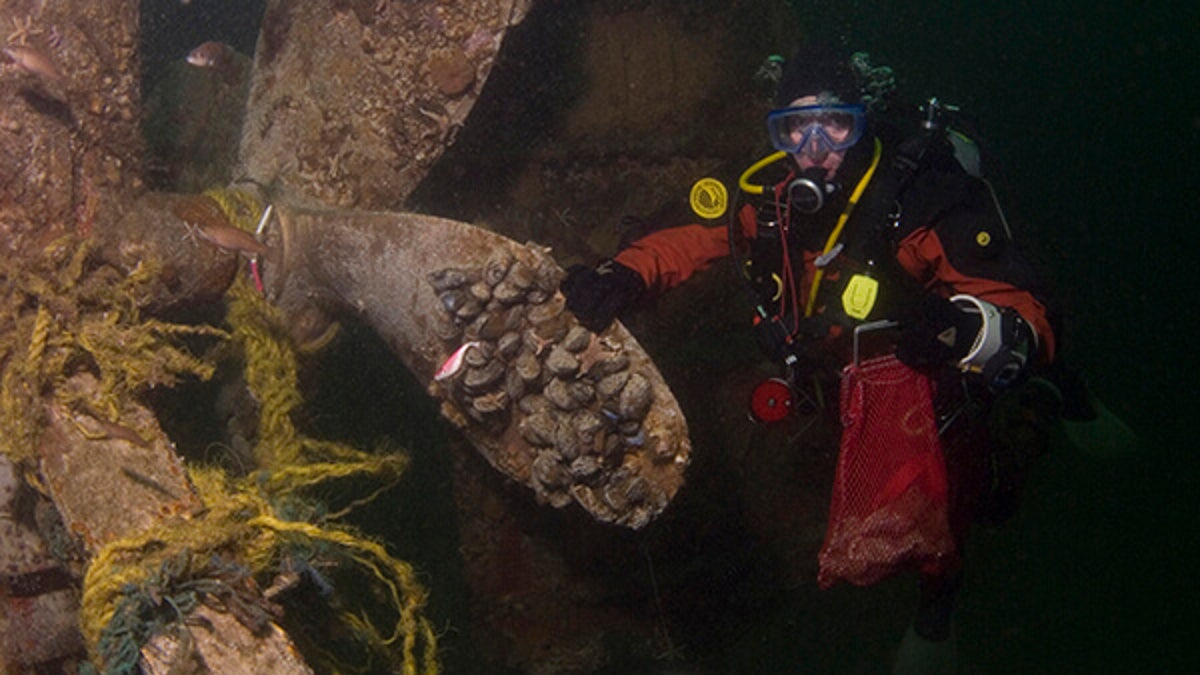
521	365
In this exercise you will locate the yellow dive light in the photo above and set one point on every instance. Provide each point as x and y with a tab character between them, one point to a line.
859	296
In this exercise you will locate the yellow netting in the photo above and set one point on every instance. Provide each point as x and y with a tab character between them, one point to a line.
243	523
243	517
61	314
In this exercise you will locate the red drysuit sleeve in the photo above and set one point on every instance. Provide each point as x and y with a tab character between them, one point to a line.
922	254
668	257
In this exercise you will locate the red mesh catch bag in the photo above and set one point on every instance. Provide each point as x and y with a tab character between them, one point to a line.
889	506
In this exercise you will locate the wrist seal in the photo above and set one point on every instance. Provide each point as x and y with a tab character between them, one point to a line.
1003	347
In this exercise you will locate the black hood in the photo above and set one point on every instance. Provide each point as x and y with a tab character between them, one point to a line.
818	67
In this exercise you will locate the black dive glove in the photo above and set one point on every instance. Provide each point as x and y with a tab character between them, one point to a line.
937	332
597	295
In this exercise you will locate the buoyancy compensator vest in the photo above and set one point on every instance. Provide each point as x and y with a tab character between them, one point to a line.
853	230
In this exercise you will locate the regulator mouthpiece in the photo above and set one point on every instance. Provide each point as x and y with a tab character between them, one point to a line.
807	193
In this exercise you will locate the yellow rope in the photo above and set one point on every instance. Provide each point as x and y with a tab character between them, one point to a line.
239	520
62	312
242	518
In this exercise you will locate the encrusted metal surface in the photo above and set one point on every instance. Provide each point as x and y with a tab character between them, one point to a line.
576	417
352	102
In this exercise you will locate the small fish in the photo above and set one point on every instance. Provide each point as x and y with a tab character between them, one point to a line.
34	62
147	482
113	430
229	238
211	54
455	362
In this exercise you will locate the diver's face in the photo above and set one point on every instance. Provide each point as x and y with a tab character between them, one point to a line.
816	154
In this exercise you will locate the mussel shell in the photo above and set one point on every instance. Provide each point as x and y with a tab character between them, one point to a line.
509	344
576	339
610	386
636	397
559	393
514	385
489	325
535	403
609	364
613	492
514	319
585	467
552	329
478	355
548	275
520	275
508	294
469	309
637	489
566	441
496	267
447	278
546	310
528	367
549	471
581	391
482	377
445	328
480	291
562	362
587	423
538	428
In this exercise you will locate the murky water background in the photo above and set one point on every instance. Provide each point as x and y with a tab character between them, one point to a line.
1092	111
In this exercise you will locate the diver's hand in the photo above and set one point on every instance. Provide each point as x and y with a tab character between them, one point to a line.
937	332
597	295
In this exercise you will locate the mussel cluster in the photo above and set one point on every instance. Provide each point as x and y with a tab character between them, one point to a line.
531	370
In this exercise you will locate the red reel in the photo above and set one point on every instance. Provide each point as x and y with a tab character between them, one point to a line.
771	400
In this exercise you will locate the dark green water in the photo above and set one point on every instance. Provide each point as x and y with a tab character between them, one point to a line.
1091	108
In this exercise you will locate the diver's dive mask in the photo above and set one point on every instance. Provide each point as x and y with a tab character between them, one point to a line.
817	129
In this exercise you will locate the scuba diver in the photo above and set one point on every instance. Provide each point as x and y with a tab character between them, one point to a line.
861	245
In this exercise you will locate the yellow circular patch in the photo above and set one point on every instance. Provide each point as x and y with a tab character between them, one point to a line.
708	198
983	238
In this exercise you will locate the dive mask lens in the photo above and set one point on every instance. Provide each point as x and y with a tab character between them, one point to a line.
819	128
